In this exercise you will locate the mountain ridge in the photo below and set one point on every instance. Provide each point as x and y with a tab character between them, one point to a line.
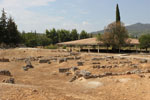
134	30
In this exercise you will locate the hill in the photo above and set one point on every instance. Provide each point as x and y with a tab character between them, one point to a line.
134	29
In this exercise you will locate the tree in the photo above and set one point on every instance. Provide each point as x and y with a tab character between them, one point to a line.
115	35
3	23
64	35
117	14
53	35
30	39
84	35
145	41
99	37
74	34
13	35
42	40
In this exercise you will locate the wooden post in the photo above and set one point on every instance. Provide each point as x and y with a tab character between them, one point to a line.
107	49
98	48
79	48
72	49
136	48
88	49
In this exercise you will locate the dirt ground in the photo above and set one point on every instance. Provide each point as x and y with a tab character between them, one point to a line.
45	82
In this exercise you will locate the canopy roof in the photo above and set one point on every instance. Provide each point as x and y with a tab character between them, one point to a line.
93	41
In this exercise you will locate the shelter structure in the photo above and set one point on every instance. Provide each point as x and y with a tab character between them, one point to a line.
92	43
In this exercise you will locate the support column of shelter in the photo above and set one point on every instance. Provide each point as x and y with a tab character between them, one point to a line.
88	49
98	48
136	49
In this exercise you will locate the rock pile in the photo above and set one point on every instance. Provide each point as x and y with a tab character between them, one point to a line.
61	60
5	72
81	73
28	65
10	80
87	74
79	63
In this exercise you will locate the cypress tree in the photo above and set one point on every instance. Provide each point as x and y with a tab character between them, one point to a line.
117	14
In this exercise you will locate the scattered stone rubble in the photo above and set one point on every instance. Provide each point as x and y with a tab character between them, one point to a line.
79	63
61	60
28	65
9	80
24	59
87	74
5	72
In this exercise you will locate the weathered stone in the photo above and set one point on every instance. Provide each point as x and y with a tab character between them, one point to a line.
67	73
44	61
108	73
134	65
63	70
147	71
28	64
109	66
61	60
128	72
10	80
25	68
83	73
73	78
77	57
80	63
73	69
141	76
49	62
4	60
70	58
97	66
122	58
96	63
136	71
115	66
5	72
98	58
109	57
74	53
143	61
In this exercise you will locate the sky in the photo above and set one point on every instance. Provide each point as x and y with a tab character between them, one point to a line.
88	15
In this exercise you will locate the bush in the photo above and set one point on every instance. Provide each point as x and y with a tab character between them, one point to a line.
51	47
64	47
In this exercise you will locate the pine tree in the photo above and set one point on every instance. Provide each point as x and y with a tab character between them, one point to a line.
117	14
74	34
3	23
13	36
84	34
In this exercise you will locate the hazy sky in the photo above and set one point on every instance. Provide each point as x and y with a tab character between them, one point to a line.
89	15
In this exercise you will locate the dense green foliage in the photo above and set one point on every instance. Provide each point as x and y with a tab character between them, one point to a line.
52	36
10	36
9	33
84	35
33	39
145	41
98	37
115	35
51	46
63	35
